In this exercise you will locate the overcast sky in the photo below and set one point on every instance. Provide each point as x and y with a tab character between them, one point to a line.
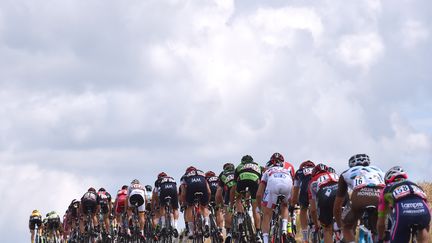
97	93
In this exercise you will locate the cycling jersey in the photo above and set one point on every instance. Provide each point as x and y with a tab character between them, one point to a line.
410	207
226	182
120	202
363	176
53	221
301	180
278	181
248	171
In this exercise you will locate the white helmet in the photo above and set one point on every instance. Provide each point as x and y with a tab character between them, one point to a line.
359	159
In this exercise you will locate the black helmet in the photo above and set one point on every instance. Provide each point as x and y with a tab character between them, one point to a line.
246	159
148	188
101	189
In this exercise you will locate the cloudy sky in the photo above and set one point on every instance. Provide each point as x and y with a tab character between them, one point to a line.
96	93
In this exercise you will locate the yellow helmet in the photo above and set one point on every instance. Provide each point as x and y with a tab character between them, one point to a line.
35	211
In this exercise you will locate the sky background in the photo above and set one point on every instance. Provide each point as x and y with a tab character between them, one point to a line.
97	93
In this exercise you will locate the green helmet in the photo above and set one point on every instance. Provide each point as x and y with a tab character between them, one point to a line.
246	159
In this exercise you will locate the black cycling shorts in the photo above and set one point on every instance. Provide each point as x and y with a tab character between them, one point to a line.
325	200
193	188
251	185
35	221
88	206
409	212
169	190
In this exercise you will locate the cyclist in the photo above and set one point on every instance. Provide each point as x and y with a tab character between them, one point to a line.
194	181
54	224
120	206
322	193
105	204
300	194
276	180
247	175
89	204
155	204
35	219
365	182
148	197
167	187
409	207
226	182
213	182
136	196
71	216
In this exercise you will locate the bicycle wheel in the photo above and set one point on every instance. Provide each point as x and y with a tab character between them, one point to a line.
249	231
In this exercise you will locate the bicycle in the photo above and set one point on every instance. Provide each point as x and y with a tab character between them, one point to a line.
90	234
366	233
214	230
315	235
276	231
167	229
242	221
38	238
198	219
148	227
135	227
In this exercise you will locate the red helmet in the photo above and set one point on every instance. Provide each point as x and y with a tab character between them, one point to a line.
190	168
277	157
209	174
307	164
319	168
162	174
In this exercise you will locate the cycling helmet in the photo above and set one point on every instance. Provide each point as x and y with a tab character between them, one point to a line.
274	162
359	159
148	188
394	173
319	168
307	164
189	169
91	189
278	157
246	159
124	187
209	174
35	211
228	166
102	189
162	174
331	170
135	181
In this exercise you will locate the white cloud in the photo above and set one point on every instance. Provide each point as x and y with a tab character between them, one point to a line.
362	50
413	33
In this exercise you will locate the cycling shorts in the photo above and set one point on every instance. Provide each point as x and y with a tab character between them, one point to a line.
137	197
251	185
360	199
325	200
273	190
169	190
192	188
35	220
88	205
408	213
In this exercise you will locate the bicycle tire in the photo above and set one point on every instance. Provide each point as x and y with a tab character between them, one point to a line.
250	234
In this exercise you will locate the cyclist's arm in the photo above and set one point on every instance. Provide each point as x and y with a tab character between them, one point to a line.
208	190
340	198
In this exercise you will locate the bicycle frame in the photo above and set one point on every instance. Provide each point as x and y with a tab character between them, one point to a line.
365	233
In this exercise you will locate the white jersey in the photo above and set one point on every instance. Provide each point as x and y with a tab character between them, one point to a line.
362	176
278	181
277	174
